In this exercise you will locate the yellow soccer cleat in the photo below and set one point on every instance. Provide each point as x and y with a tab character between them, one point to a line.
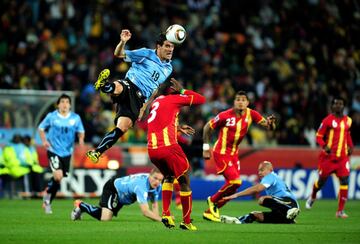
93	156
102	78
213	209
188	226
168	221
210	217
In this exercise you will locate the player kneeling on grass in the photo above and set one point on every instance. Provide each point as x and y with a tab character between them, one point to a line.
281	201
121	191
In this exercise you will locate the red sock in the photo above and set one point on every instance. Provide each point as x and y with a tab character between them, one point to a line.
227	189
343	194
177	192
315	190
186	202
167	191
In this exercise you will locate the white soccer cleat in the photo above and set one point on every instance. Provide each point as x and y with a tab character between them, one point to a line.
341	214
76	214
309	203
229	220
292	213
46	203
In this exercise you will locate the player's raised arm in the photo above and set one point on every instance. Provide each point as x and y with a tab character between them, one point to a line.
195	98
120	48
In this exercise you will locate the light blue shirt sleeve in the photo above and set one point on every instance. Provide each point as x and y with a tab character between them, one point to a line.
141	194
45	123
268	180
137	55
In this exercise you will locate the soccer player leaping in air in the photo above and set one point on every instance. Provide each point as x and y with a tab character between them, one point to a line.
149	69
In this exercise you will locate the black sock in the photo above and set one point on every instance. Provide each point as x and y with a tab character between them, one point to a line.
53	187
249	218
109	140
92	210
109	87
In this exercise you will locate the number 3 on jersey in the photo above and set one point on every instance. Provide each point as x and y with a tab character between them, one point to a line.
154	107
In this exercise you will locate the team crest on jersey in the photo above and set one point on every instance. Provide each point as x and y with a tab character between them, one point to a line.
72	122
334	124
216	118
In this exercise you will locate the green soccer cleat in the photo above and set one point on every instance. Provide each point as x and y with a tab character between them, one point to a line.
168	221
93	156
103	77
213	209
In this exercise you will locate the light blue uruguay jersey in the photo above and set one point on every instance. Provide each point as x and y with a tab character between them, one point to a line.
276	187
61	132
147	71
136	187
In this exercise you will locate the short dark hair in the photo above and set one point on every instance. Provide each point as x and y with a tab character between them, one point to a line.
338	98
154	170
242	93
63	96
161	38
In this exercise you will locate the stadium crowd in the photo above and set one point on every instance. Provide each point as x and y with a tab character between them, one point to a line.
291	57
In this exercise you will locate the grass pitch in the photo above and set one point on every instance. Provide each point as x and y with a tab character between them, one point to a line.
23	221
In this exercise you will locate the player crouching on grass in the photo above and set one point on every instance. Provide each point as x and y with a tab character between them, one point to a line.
121	191
281	201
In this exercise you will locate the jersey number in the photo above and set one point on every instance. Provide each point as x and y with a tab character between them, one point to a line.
155	76
230	121
153	111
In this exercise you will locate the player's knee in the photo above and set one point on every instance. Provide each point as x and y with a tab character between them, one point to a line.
118	88
124	124
344	181
261	200
58	176
321	182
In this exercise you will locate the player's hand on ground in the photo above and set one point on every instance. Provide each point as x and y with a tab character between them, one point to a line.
176	86
187	130
206	154
125	35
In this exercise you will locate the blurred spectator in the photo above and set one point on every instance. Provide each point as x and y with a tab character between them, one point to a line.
35	177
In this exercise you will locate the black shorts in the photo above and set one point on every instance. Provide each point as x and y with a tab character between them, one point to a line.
56	162
109	197
279	208
129	102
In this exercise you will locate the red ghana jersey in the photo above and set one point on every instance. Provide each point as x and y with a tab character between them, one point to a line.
335	133
163	118
233	129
